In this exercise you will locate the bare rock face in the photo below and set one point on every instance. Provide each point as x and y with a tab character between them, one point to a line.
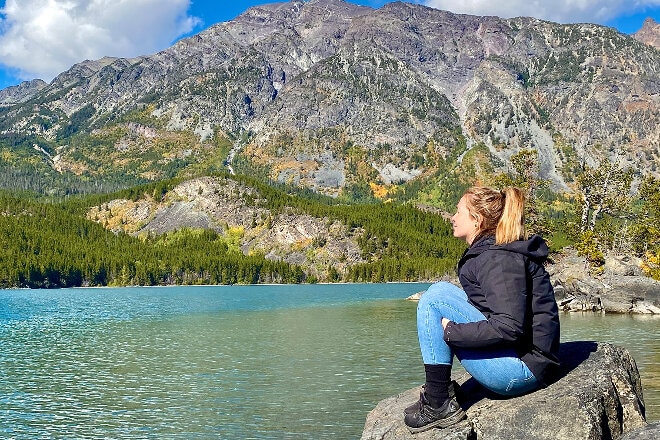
599	396
226	206
649	33
326	93
21	92
621	288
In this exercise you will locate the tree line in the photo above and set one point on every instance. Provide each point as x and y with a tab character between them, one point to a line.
42	245
49	243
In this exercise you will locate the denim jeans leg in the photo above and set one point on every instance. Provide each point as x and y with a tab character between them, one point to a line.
499	370
441	300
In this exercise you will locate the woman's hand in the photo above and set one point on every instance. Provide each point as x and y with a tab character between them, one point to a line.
444	321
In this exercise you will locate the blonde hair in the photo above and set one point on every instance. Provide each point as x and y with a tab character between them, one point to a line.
499	213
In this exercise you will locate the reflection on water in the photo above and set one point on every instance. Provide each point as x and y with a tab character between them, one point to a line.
277	362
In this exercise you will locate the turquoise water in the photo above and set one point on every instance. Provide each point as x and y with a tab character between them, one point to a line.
230	362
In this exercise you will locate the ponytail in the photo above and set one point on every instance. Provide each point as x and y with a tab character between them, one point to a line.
499	213
511	226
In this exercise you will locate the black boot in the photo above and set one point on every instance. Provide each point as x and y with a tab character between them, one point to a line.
436	406
427	417
454	391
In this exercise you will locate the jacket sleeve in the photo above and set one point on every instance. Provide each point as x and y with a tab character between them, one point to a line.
503	283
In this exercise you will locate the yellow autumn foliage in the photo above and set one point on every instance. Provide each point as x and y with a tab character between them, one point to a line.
651	265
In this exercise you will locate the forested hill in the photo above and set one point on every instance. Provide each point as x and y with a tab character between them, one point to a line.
224	229
227	231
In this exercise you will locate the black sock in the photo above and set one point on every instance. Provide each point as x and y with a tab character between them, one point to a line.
438	377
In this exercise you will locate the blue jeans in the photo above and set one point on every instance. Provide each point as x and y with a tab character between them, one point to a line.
499	370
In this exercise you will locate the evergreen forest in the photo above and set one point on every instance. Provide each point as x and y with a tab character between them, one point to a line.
48	242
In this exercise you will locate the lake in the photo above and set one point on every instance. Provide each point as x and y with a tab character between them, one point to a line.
231	362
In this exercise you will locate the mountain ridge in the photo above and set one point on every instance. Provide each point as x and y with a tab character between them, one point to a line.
327	94
649	33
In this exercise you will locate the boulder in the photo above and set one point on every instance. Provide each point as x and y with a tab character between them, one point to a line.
621	288
649	432
599	396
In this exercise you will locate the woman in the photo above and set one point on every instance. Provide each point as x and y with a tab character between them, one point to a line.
503	327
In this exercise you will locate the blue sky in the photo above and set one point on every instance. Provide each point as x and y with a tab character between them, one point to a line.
42	38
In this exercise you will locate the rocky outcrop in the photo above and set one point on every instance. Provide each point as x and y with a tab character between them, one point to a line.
620	288
21	92
231	208
649	33
599	396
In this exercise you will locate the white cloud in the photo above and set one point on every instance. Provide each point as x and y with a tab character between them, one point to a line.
560	11
42	38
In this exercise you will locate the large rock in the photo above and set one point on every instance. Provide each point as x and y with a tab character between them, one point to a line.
599	396
649	432
620	288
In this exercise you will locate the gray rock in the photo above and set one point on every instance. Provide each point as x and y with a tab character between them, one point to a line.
621	288
599	396
649	432
171	218
21	92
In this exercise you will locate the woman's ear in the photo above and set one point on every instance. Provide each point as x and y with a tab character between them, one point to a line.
477	221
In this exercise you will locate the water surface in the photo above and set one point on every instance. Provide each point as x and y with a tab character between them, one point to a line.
263	362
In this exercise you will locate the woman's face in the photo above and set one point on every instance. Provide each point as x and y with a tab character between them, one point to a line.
465	226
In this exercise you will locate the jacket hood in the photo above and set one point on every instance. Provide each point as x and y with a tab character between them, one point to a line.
534	247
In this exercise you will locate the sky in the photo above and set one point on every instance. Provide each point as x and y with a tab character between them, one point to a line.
42	38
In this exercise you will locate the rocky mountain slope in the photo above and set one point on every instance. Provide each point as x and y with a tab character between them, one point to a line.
237	211
649	33
327	94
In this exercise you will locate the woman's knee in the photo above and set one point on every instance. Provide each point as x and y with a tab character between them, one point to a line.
441	290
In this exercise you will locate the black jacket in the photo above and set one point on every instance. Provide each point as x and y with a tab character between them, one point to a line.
510	286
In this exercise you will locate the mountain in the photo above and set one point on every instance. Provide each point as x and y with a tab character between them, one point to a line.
649	33
338	97
21	92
